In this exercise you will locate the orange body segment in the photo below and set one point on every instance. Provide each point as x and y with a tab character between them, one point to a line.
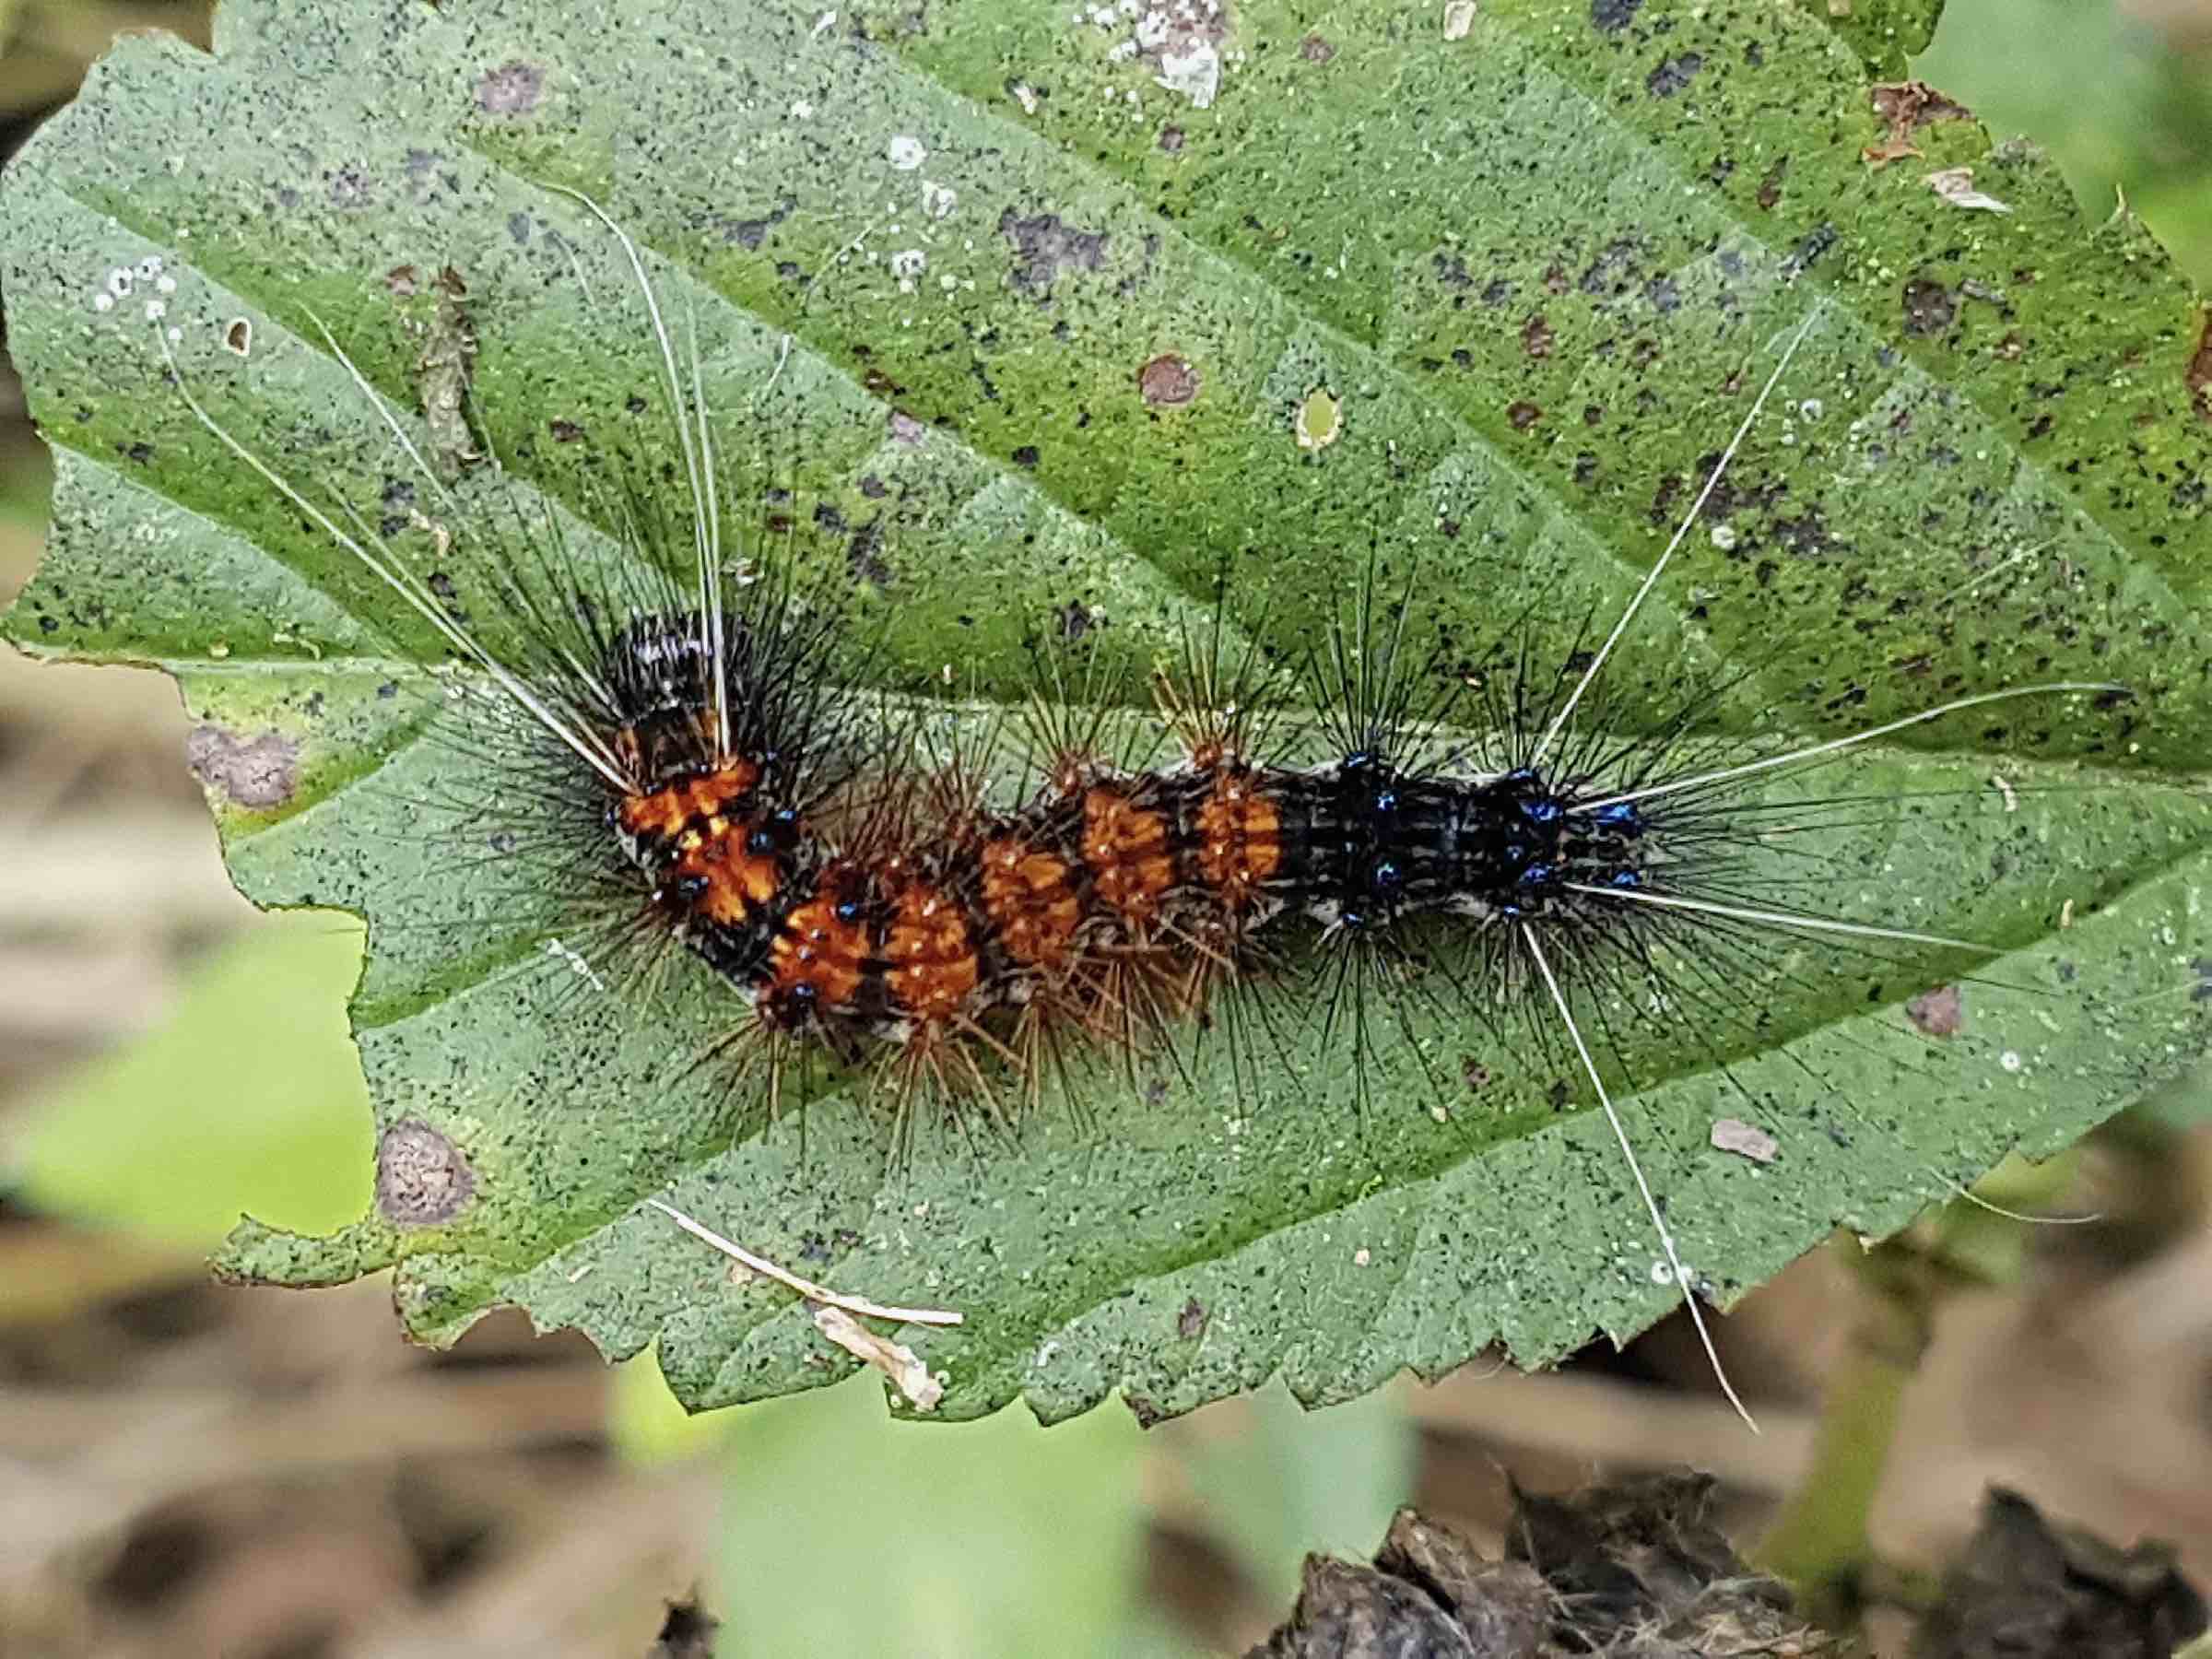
934	965
1031	901
667	812
1126	848
1240	841
819	948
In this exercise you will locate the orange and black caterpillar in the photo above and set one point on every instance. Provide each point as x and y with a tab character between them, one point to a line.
737	804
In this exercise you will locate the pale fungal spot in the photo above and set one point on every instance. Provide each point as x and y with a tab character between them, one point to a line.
238	339
1663	1275
1723	537
2010	1060
156	311
1459	17
149	267
1320	420
1746	1140
1195	73
103	302
823	25
1361	1258
938	200
2012	801
1026	96
906	153
119	283
2065	914
801	110
165	285
907	265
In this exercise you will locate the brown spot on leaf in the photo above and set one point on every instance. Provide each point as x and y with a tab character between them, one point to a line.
2198	375
1536	337
1938	1013
1171	139
510	90
1770	186
1930	308
1315	49
1523	416
1168	382
1907	106
907	429
260	773
1191	1322
421	1177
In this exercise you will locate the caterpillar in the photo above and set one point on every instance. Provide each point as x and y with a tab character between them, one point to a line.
720	797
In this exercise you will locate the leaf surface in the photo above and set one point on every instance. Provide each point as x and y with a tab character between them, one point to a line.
1033	304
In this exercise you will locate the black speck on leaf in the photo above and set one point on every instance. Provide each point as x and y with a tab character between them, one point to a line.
1674	74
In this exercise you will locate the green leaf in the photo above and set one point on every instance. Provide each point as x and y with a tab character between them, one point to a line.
248	1098
991	1538
1538	270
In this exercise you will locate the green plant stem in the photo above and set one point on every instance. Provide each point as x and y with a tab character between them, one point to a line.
1820	1541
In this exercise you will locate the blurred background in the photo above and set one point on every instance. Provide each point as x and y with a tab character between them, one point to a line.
188	1470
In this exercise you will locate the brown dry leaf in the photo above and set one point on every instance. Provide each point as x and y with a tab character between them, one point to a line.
894	1360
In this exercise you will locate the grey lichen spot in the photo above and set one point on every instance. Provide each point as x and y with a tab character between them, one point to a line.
260	773
1047	247
1930	308
350	188
906	429
1168	382
510	90
1938	1013
1674	74
1190	1323
1612	15
421	1177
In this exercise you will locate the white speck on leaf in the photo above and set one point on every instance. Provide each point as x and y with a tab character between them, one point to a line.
1746	1140
1956	185
1459	17
1195	72
906	152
